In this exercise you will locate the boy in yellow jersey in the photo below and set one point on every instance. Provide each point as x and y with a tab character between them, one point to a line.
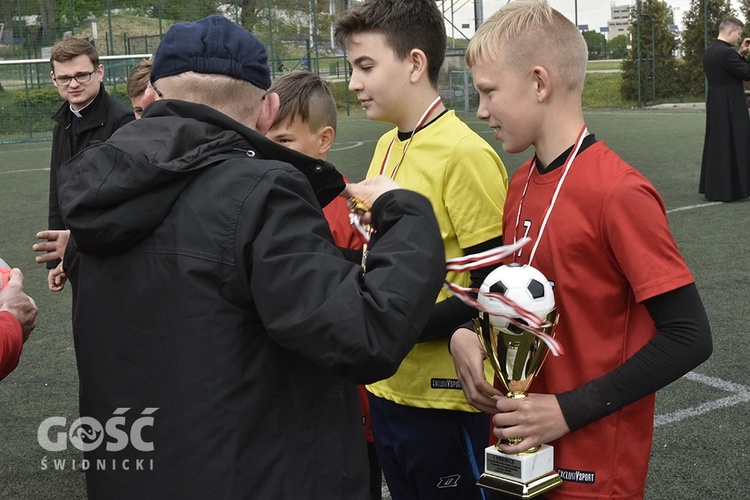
429	440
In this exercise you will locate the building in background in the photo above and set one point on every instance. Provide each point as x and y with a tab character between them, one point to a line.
619	24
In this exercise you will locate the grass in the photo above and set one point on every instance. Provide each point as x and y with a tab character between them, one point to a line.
698	457
602	90
605	65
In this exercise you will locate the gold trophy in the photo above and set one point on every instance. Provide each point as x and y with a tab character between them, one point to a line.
512	299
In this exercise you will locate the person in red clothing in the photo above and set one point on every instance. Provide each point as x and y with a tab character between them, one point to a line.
306	122
631	319
17	319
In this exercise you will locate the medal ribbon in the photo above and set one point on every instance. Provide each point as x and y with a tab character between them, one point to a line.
571	156
420	124
466	294
366	232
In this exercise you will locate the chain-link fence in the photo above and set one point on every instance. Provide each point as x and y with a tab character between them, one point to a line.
289	28
297	34
28	99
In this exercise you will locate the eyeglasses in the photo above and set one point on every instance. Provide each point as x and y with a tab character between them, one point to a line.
64	81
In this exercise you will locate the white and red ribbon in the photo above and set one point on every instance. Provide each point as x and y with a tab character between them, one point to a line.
490	257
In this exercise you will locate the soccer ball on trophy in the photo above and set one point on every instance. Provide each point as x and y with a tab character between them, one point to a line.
527	290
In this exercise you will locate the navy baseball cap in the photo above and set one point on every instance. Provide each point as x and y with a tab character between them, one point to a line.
212	45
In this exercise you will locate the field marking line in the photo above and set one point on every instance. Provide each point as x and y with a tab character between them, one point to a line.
355	144
690	207
25	170
741	395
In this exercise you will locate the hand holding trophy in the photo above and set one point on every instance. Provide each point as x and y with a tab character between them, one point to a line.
516	326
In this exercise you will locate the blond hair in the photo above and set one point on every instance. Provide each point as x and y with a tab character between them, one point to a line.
235	98
527	33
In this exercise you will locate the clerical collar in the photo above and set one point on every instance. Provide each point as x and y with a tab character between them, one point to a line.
560	160
402	136
79	112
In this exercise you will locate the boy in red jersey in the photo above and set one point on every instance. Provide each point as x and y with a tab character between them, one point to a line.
631	319
306	122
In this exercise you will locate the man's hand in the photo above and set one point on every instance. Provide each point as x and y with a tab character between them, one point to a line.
745	47
56	278
468	358
20	305
366	192
54	246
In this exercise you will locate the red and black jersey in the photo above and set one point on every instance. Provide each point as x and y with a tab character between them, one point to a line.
607	248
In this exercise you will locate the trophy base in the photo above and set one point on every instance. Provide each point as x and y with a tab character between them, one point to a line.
518	489
523	476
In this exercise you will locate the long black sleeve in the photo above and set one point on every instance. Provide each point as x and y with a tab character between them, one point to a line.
451	313
682	342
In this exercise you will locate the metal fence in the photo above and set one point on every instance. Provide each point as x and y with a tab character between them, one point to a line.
28	98
297	34
288	28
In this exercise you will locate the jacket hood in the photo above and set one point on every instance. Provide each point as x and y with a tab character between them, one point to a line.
114	194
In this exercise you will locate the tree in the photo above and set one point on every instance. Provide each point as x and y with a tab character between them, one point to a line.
617	48
190	10
745	12
72	13
658	66
596	43
8	8
695	38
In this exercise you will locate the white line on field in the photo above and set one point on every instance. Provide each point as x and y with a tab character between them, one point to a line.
24	170
356	144
690	207
741	395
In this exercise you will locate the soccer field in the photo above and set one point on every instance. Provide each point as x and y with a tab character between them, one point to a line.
701	439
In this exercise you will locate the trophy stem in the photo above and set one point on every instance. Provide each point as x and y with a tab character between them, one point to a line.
514	441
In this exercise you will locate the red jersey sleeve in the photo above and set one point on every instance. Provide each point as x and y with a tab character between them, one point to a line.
639	238
11	343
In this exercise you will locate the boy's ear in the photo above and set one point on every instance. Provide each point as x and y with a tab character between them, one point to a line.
418	61
268	110
325	138
149	96
542	83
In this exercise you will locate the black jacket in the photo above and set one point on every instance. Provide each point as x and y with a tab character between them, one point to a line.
207	285
100	119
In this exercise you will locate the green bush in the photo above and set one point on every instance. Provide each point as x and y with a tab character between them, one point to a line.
37	98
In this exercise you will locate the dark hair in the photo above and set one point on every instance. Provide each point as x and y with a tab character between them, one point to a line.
138	79
305	95
67	49
730	22
405	24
